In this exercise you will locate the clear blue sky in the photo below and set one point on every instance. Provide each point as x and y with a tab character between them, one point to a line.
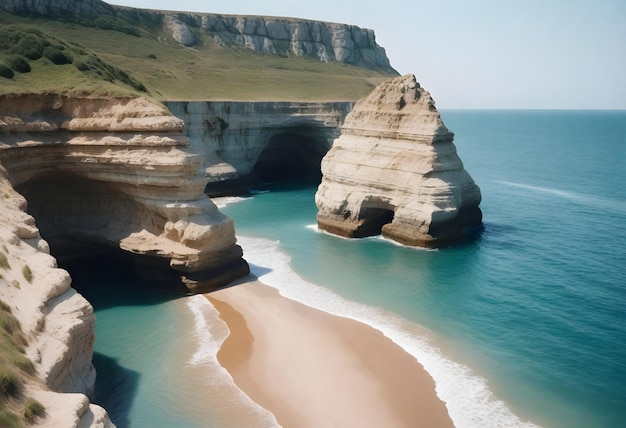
481	53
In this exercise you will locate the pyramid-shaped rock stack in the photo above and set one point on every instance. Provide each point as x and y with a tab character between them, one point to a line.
395	170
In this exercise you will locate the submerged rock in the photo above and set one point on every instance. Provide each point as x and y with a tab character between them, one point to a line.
395	170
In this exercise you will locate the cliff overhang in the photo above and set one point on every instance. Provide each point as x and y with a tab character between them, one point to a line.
117	173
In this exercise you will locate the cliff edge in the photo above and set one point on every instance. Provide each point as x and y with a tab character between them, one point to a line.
116	175
288	37
395	170
56	321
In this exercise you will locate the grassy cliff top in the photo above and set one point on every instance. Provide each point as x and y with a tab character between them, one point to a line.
110	56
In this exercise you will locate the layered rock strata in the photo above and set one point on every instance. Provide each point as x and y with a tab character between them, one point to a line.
243	142
117	173
395	170
323	41
57	321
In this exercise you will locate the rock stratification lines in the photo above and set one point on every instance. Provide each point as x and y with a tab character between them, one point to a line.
113	173
395	170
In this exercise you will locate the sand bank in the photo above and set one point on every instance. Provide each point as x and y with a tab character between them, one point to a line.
313	369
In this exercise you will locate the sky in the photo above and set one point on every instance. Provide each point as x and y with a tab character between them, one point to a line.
518	54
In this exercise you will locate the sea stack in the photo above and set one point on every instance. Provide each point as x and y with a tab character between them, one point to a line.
394	170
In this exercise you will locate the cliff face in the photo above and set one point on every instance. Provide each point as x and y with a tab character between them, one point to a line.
323	41
259	141
117	174
57	321
395	170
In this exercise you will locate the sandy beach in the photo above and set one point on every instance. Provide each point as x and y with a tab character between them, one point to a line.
314	369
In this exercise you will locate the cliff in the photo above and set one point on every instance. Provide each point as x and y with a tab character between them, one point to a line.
323	41
395	170
116	174
243	142
57	322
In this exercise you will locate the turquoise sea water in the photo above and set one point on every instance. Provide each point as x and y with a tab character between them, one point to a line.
525	325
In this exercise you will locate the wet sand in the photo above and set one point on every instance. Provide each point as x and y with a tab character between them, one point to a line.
313	369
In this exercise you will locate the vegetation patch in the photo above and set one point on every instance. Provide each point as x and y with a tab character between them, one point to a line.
25	49
4	262
33	409
28	274
18	63
15	368
6	71
118	56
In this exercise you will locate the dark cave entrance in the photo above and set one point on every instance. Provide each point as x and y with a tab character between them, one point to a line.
372	219
293	155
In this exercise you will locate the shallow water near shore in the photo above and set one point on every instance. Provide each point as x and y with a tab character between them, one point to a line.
525	324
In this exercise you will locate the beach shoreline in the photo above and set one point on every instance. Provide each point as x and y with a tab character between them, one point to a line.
311	368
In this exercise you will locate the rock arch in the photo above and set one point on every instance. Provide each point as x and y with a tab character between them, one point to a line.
374	214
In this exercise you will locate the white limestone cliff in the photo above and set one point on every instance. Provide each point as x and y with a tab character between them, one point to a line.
395	170
245	141
117	173
57	322
322	41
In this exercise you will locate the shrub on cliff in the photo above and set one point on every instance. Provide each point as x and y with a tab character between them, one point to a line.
18	63
6	71
33	410
9	382
30	45
9	419
57	56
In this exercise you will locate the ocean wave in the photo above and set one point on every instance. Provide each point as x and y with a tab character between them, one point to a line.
467	396
222	201
315	228
210	333
581	198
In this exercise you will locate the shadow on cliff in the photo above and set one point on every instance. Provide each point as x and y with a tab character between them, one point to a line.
115	389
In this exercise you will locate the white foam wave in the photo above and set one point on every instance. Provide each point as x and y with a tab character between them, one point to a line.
221	202
581	198
467	396
315	228
210	333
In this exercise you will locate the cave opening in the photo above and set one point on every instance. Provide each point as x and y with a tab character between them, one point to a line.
78	217
83	220
293	155
372	220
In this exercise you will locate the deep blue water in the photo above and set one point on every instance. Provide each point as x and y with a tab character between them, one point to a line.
532	314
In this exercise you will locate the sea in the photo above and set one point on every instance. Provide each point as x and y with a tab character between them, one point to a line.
524	325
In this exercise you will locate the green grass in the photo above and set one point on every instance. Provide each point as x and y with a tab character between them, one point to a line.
28	274
33	409
4	262
169	71
15	368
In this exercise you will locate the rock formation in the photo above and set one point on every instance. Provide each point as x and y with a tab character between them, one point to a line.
242	142
105	174
395	170
323	41
57	321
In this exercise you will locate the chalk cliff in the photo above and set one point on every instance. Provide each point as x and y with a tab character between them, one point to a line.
57	321
395	170
243	142
116	174
323	41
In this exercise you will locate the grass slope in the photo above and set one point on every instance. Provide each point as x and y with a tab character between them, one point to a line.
16	410
151	58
